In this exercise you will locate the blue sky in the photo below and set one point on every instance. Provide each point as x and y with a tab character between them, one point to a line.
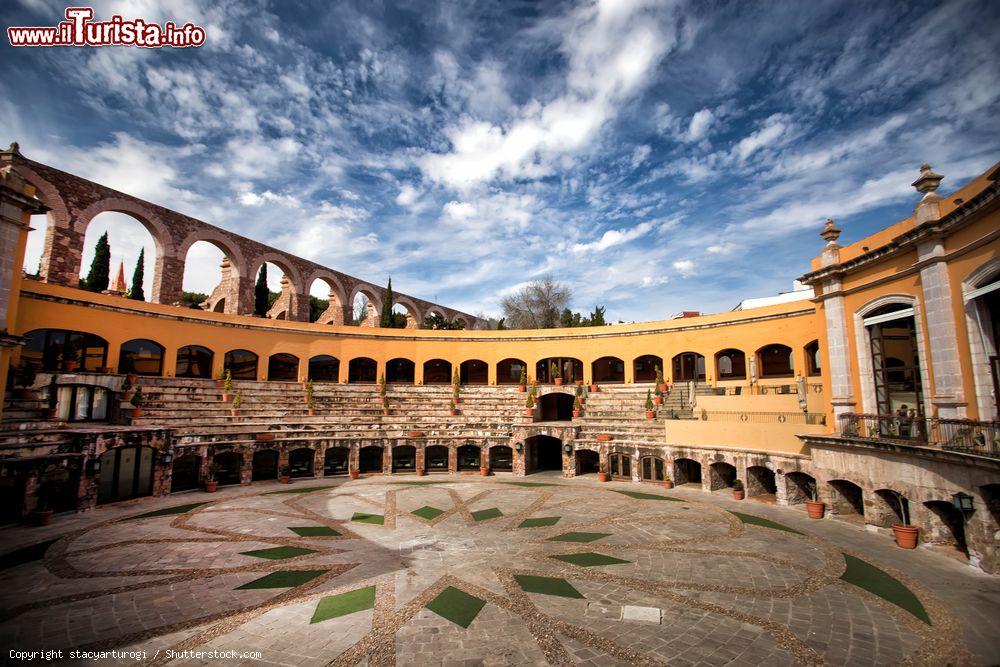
654	156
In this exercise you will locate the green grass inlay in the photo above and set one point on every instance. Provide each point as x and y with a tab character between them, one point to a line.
766	523
547	586
540	521
865	575
531	483
457	606
483	515
335	606
646	496
314	531
25	554
298	489
589	559
285	579
167	511
579	537
428	512
278	553
374	519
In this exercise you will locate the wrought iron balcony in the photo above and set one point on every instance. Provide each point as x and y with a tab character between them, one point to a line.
957	435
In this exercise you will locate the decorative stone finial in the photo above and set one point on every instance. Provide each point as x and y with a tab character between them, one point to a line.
14	147
830	232
928	181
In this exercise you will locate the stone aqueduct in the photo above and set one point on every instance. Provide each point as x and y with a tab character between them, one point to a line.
74	201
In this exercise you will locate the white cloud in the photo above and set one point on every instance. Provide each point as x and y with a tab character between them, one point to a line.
407	195
459	210
252	199
685	267
700	124
774	127
639	155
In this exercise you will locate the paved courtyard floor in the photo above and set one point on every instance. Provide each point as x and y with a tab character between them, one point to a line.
490	571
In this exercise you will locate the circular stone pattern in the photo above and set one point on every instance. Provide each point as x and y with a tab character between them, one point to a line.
484	571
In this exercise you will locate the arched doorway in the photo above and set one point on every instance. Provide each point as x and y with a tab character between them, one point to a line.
437	371
265	465
436	458
370	459
400	371
126	472
362	370
687	471
404	458
587	462
644	368
469	457
501	458
474	371
242	364
846	498
141	356
336	461
799	487
556	406
324	368
721	475
775	361
59	485
194	361
761	483
283	367
186	473
543	452
608	370
730	364
509	371
947	526
301	461
689	366
570	369
227	467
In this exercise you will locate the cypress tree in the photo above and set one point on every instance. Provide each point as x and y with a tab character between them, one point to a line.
136	292
100	268
260	293
386	319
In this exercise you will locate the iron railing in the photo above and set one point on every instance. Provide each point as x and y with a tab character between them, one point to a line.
757	417
959	435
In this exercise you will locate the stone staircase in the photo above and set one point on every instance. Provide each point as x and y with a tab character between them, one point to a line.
620	411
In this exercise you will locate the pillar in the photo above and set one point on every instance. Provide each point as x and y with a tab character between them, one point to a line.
168	277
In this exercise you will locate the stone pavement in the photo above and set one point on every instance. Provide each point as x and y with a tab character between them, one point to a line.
449	570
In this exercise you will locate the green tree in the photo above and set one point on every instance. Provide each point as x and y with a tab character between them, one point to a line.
260	293
100	268
136	292
317	307
193	299
502	324
386	319
597	317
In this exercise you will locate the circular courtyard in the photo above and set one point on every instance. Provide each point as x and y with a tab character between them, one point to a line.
465	570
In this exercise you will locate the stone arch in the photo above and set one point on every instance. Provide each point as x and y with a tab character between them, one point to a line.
233	293
334	314
374	296
981	347
164	240
404	458
846	498
62	248
294	296
414	318
799	487
687	471
721	475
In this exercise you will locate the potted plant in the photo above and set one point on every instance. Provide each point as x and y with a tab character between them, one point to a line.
455	398
456	379
70	359
308	391
578	393
220	378
310	403
529	406
211	485
484	471
354	474
667	482
603	476
657	396
650	408
382	390
285	475
594	388
523	382
385	405
814	506
227	387
126	390
24	378
737	490
906	535
237	402
661	383
556	374
137	400
577	407
454	408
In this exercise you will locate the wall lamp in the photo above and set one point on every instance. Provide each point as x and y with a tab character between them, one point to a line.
568	449
518	446
962	501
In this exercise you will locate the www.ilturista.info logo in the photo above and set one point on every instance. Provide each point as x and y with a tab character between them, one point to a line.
79	30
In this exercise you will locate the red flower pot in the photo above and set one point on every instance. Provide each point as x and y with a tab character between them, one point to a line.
662	388
354	474
39	517
738	495
285	479
658	400
906	536
69	366
668	484
650	414
576	413
602	476
558	381
454	413
136	413
484	471
815	509
226	398
594	388
311	412
233	412
421	472
529	413
211	487
604	437
522	388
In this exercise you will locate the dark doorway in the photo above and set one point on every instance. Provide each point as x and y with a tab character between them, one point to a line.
570	370
336	460
687	471
544	453
242	364
324	368
846	498
608	370
265	465
370	459
437	371
12	485
556	407
126	472
436	458
362	370
721	475
952	528
761	482
227	467
469	457
283	367
404	458
644	368
301	462
58	486
474	371
400	371
186	474
587	461
509	371
689	366
501	458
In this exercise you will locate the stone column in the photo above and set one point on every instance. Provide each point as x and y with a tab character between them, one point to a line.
167	280
837	339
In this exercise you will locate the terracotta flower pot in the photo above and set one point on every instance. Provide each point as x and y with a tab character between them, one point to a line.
658	400
662	387
415	434
39	517
738	495
385	411
220	383
906	536
594	388
233	412
603	476
211	487
136	413
454	413
285	479
558	381
226	398
668	484
484	471
576	413
529	412
650	414
604	437
354	474
815	509
522	388
70	366
421	472
311	412
133	378
126	396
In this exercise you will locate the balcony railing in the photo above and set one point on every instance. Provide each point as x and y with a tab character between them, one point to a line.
958	435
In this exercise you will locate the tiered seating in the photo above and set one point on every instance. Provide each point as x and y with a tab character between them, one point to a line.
619	411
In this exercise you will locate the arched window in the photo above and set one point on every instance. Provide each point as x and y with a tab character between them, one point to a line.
362	370
141	356
775	361
437	371
571	370
813	365
895	359
242	364
283	367
608	369
194	361
474	371
651	468
731	365
324	368
400	371
47	349
644	368
689	366
509	371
